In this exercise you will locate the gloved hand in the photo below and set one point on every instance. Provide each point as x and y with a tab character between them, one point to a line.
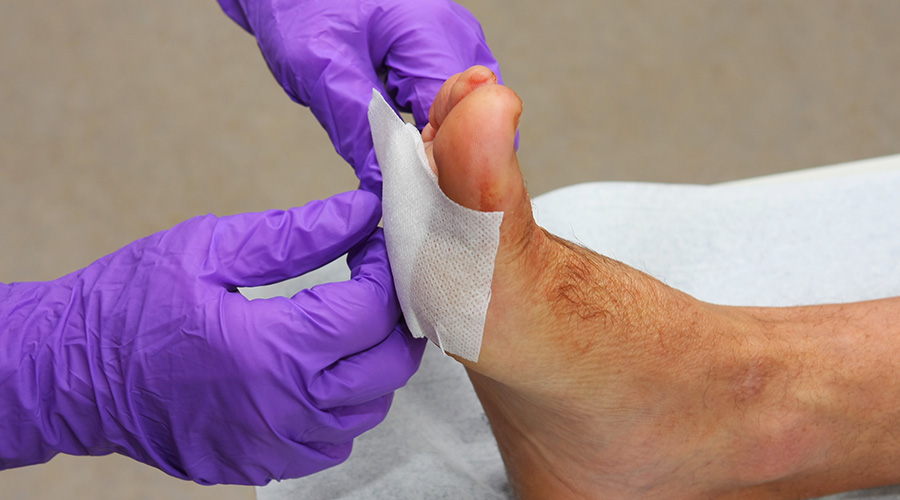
330	54
150	351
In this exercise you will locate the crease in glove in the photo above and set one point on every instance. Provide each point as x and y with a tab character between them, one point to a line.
441	253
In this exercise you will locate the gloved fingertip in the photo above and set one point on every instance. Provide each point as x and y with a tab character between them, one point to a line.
425	90
417	348
352	380
373	187
352	214
370	179
370	257
368	202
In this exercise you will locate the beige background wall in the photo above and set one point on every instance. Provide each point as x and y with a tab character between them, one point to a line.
119	118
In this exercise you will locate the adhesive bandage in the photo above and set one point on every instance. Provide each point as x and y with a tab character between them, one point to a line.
441	253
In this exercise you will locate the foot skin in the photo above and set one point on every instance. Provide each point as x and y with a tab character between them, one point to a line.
599	381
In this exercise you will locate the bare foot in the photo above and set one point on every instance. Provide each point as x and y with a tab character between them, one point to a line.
599	381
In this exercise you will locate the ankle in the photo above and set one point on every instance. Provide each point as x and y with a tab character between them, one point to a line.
769	388
827	430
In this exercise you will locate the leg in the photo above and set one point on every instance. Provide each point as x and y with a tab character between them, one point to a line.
601	382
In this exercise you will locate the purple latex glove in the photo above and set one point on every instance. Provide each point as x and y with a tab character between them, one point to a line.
150	351
330	54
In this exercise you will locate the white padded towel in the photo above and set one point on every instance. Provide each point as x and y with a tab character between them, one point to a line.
832	239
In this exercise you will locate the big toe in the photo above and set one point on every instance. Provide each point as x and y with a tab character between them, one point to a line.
475	160
474	149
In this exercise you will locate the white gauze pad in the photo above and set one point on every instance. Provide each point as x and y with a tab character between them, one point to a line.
441	253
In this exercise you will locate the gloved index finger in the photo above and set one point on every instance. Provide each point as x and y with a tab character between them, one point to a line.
264	248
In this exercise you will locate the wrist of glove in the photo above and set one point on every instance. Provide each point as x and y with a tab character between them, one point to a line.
46	408
151	352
